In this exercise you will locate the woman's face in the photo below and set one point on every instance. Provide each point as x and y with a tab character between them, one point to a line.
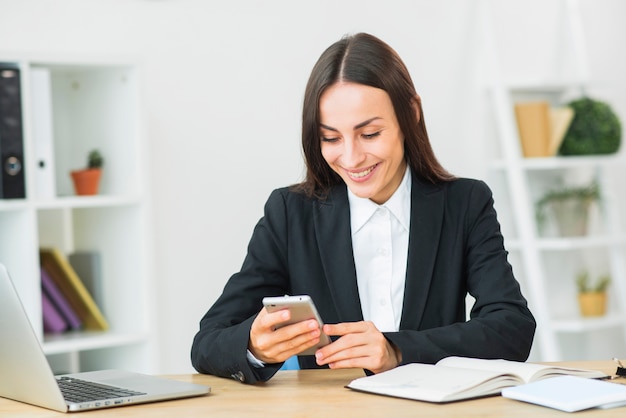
361	139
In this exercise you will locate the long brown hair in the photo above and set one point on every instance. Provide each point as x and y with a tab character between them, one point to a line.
364	59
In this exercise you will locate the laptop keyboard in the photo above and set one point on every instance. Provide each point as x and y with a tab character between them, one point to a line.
77	390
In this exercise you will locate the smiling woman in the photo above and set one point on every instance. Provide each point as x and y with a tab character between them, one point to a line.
385	241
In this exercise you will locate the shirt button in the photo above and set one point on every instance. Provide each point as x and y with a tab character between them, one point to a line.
383	302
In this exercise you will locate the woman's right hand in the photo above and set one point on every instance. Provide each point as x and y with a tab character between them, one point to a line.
272	345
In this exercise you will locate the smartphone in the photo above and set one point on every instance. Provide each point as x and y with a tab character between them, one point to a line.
301	308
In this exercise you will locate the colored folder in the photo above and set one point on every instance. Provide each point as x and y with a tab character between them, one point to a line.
59	301
52	319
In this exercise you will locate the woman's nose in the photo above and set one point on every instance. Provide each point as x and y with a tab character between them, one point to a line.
352	154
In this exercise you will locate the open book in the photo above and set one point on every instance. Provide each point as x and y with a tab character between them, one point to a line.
456	378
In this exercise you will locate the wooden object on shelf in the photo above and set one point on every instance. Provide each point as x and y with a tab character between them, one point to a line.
533	123
72	288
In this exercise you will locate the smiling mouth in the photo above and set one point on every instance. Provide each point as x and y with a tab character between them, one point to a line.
361	174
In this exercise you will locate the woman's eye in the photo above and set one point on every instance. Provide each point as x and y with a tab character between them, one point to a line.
325	139
371	136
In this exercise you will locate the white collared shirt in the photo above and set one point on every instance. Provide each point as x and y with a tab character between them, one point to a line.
380	241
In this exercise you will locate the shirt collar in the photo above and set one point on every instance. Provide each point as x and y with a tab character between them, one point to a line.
399	204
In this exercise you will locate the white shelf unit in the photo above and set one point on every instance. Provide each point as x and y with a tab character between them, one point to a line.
545	263
94	104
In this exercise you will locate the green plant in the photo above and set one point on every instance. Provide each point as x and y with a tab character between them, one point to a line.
583	282
95	159
595	129
585	194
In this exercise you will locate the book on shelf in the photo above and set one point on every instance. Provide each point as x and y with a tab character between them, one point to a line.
53	321
72	288
560	121
533	123
59	302
458	378
569	393
88	267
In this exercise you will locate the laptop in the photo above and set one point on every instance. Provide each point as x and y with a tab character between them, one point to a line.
26	376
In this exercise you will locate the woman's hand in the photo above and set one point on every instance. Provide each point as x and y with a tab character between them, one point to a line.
272	345
360	345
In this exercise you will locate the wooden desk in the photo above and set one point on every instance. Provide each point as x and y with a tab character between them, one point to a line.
314	393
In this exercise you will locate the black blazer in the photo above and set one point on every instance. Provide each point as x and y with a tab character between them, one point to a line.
304	246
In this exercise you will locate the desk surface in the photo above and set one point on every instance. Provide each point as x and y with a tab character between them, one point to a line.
314	393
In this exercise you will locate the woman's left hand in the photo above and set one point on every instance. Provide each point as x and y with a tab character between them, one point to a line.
361	345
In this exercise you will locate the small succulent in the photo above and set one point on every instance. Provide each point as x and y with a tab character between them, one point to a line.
95	159
584	283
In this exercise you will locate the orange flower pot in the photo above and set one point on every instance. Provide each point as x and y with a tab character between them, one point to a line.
86	181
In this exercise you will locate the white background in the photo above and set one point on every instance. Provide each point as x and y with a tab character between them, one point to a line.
222	88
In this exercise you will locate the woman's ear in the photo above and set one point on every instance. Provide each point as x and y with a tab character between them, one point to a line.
417	107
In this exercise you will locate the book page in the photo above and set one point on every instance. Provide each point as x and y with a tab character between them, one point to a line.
528	372
427	382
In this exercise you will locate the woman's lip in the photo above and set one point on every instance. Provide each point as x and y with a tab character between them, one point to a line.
362	174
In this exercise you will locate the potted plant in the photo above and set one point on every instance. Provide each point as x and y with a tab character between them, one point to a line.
595	129
87	180
592	296
570	206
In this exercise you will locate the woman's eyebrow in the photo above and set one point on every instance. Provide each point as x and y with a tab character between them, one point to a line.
365	123
357	126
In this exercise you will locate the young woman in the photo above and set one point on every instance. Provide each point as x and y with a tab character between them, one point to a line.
385	241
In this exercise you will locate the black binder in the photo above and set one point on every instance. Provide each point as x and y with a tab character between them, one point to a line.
11	134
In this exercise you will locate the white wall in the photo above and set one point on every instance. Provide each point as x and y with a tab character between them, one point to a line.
223	84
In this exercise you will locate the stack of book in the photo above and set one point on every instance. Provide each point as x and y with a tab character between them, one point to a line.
67	304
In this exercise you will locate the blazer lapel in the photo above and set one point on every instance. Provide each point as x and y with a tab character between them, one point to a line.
427	203
334	239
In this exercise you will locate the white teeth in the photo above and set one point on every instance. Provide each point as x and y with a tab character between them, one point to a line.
362	173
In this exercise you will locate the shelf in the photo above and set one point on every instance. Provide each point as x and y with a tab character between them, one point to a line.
588	324
88	340
70	107
542	85
99	201
547	265
569	244
561	162
578	243
70	202
12	205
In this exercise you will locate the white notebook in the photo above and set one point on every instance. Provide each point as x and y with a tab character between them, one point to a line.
570	393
